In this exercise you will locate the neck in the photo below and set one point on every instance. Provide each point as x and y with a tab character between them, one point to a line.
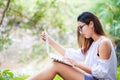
95	37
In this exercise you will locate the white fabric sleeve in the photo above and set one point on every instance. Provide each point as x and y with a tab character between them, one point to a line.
74	54
101	69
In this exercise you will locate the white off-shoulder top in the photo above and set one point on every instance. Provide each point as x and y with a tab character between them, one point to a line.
101	69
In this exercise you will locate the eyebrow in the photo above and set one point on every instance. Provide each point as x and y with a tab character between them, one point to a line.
81	25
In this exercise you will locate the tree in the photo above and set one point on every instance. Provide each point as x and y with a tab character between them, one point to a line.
109	13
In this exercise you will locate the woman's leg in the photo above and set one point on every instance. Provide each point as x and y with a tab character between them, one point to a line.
67	72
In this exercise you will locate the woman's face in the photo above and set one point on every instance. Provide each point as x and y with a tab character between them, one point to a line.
85	30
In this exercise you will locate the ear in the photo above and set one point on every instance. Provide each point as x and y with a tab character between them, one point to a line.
91	24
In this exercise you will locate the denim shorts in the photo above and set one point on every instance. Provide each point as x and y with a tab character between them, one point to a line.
89	77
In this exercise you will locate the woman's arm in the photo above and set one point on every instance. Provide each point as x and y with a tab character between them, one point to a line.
84	67
56	46
79	64
104	49
104	54
53	43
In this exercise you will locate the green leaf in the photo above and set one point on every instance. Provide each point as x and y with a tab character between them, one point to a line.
8	73
2	78
18	78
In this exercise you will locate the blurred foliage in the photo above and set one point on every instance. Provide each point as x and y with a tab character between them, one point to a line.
6	75
9	75
58	17
118	73
109	13
35	15
5	41
38	15
38	49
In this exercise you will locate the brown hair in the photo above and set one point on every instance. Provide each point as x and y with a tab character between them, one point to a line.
86	17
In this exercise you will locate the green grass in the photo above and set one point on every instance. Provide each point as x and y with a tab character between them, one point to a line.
57	77
118	73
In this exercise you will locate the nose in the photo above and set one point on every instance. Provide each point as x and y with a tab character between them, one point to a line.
80	32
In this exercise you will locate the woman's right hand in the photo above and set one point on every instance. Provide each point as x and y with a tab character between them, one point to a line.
44	35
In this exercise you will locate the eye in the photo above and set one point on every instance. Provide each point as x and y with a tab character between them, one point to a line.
80	27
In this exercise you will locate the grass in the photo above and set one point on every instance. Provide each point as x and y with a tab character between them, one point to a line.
57	77
118	73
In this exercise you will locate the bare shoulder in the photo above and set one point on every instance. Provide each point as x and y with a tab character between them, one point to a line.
104	48
105	41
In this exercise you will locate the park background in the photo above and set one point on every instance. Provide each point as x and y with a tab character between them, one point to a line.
22	51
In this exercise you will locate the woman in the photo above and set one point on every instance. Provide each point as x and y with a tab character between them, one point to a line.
95	60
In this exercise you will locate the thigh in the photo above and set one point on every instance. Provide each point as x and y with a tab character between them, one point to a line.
68	72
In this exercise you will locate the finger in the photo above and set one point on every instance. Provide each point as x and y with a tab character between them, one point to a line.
43	37
43	34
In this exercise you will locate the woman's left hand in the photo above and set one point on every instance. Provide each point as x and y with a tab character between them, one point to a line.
73	62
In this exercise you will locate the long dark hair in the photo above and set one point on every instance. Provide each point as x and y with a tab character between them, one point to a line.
86	17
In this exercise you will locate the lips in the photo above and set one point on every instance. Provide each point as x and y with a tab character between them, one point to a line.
83	34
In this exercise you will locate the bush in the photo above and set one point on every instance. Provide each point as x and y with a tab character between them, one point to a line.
118	73
9	75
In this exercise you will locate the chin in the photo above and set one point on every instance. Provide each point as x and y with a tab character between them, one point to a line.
87	37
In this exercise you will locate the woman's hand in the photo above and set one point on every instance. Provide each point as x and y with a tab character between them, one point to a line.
43	35
73	62
80	65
